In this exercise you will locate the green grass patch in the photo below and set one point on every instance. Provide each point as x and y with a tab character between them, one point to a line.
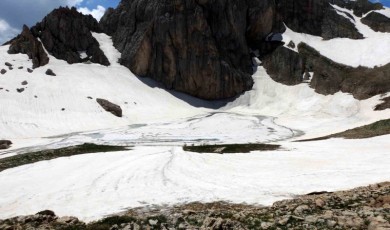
230	148
378	128
29	158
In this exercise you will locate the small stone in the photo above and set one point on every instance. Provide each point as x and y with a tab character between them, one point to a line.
50	72
8	64
20	67
331	223
284	220
20	90
153	222
301	209
63	109
311	219
291	44
3	71
24	82
10	68
29	70
320	202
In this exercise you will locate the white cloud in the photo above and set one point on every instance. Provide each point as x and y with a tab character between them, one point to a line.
6	31
96	13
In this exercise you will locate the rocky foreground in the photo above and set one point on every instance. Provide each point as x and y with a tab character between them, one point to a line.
360	208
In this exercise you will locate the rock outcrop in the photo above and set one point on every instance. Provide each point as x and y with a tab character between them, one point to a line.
110	107
197	47
318	17
378	22
66	32
289	67
26	43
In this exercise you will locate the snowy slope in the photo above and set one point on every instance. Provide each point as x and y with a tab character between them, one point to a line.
94	185
23	115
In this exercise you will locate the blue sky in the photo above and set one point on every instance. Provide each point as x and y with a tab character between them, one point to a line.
15	13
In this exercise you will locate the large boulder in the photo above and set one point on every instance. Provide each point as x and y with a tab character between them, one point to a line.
5	144
26	43
197	47
110	107
66	33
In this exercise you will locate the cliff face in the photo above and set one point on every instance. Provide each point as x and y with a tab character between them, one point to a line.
197	47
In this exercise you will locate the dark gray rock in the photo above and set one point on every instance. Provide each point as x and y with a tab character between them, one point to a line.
29	70
50	72
5	144
66	32
24	82
20	90
3	71
317	17
10	68
110	107
285	66
384	105
378	22
26	43
331	77
8	64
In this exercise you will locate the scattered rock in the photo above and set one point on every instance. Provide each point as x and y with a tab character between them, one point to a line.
8	64
50	72
384	105
20	67
24	82
20	90
291	44
35	96
3	71
5	144
63	109
10	68
89	97
29	70
110	107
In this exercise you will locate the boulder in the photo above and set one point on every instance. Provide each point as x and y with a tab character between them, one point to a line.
3	71
26	43
110	107
50	72
5	144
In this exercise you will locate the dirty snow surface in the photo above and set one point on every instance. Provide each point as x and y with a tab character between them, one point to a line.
60	111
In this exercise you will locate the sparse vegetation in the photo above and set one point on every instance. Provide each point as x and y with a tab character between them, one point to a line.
231	148
378	128
29	158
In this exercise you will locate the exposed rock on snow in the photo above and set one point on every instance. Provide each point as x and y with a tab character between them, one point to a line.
8	64
5	144
50	72
318	17
384	105
26	43
110	107
378	22
3	71
29	70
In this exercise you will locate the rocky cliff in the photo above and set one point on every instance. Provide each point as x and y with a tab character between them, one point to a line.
205	47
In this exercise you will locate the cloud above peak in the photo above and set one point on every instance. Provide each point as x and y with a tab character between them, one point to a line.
96	13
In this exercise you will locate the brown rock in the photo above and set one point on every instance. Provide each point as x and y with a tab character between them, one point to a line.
110	107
